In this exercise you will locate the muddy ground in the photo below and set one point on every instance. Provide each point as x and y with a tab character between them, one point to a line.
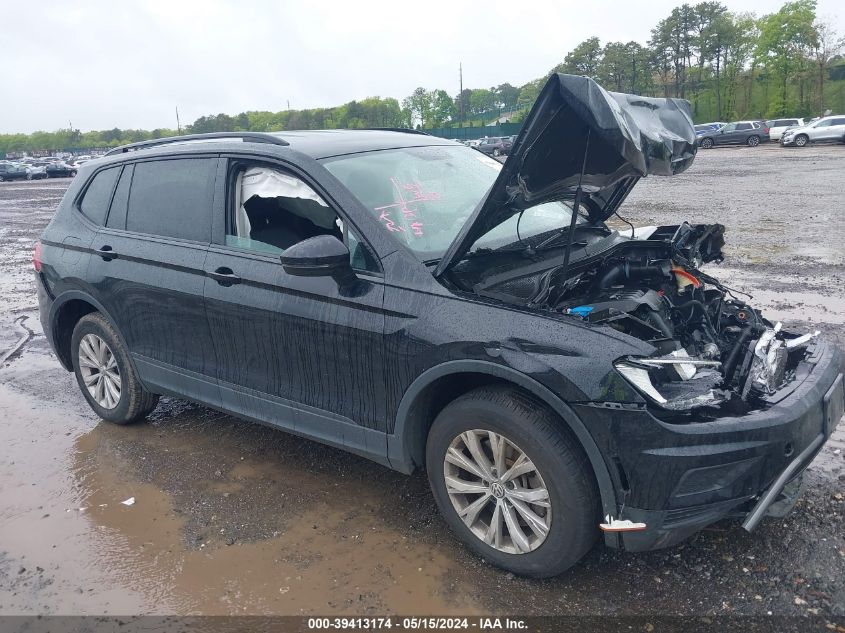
234	518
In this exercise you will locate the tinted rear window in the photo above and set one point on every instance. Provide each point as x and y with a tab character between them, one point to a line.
173	198
95	202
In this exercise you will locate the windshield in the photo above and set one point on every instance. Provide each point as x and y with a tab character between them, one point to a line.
423	196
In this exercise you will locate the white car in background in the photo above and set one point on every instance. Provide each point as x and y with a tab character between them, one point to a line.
829	129
778	126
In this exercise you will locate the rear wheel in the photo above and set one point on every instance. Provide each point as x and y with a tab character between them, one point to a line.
801	140
511	483
753	141
706	143
105	375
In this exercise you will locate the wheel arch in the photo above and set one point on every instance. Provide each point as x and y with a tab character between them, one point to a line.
438	386
67	309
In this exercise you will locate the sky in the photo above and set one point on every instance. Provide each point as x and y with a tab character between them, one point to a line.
102	64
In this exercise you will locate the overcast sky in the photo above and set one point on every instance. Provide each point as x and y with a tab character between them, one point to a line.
128	64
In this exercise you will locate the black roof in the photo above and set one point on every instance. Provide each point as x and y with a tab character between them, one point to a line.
314	143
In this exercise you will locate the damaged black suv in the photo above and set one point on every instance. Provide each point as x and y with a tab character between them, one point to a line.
415	302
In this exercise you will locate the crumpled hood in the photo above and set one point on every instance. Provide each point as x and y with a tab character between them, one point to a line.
616	138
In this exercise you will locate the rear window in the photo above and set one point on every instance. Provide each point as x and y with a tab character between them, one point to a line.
173	198
95	202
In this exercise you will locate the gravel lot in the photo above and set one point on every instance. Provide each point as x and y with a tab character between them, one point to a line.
234	518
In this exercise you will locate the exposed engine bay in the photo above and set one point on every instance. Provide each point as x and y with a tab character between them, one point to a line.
712	348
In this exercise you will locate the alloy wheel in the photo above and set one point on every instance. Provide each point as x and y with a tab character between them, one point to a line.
99	370
801	141
497	491
753	141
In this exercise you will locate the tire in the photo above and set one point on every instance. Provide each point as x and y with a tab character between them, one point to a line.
569	525
496	152
134	402
753	141
2	179
706	143
29	176
801	140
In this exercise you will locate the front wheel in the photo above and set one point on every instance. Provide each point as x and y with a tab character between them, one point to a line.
496	152
511	483
753	141
105	375
801	140
706	143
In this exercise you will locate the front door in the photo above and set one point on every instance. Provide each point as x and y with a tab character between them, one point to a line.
301	353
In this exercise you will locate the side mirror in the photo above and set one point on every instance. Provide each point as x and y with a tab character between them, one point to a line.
319	256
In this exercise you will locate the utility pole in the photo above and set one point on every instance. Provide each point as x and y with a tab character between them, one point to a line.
288	102
178	125
461	93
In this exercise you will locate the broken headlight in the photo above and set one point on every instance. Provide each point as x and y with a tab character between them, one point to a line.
675	381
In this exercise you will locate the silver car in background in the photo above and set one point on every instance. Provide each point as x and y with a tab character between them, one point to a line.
829	129
778	126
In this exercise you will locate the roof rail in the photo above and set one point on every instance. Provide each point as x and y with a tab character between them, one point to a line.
246	137
406	130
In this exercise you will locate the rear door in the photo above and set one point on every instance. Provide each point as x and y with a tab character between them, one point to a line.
742	132
147	271
302	353
837	130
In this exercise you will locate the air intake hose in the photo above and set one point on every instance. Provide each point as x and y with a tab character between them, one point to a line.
626	272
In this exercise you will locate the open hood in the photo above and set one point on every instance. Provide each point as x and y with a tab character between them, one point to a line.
577	133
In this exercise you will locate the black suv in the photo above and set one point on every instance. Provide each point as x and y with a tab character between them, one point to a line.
407	299
750	133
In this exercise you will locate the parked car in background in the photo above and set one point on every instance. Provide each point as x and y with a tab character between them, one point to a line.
495	146
36	171
12	171
829	129
703	128
749	133
60	170
77	161
778	126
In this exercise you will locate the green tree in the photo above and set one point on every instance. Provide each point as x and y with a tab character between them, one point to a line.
826	47
782	48
506	95
419	105
584	59
442	108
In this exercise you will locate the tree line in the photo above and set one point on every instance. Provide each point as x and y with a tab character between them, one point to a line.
728	65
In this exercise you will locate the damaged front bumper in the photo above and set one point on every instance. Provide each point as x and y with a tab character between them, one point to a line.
679	478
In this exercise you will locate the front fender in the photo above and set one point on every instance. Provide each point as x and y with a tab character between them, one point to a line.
406	446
